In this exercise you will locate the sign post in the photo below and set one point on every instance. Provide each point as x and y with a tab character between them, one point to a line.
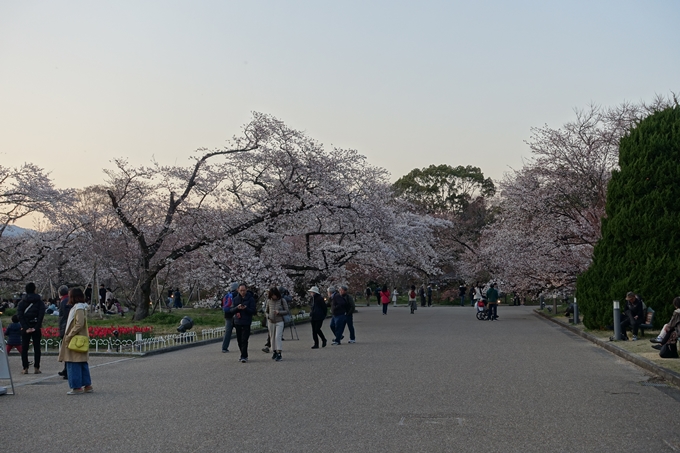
4	363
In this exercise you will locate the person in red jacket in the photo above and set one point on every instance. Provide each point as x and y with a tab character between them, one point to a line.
384	298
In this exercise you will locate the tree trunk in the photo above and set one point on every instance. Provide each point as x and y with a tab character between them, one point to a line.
144	297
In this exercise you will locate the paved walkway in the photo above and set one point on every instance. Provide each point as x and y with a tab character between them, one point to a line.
436	381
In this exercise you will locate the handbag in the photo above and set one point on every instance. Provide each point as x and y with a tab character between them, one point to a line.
80	343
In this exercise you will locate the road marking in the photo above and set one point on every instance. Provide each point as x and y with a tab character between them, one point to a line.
45	378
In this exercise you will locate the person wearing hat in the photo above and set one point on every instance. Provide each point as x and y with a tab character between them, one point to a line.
319	312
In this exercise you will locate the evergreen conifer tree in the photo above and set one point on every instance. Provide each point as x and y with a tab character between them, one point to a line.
640	246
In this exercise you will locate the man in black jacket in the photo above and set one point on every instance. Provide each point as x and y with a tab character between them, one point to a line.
31	311
349	315
243	310
64	309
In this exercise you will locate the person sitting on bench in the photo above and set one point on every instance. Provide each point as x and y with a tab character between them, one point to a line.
634	315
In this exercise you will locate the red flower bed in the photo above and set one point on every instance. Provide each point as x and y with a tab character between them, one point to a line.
124	332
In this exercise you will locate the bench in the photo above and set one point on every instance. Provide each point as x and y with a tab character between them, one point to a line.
649	321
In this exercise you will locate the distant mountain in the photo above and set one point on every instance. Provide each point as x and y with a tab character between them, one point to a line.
13	230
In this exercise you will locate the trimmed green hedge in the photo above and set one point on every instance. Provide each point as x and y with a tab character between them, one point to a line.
640	246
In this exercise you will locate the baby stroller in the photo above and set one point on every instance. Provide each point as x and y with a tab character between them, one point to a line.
483	311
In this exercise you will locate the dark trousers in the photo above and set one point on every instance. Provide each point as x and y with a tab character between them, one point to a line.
630	321
422	301
25	341
317	333
349	320
242	335
493	311
385	308
338	327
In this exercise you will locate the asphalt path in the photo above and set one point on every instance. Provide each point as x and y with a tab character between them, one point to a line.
435	381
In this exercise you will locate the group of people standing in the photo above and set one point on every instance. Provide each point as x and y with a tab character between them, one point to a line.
72	322
239	306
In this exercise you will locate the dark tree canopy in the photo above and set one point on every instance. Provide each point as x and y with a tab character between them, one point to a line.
640	246
443	188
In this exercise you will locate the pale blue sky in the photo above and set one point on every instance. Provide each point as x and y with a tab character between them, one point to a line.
408	84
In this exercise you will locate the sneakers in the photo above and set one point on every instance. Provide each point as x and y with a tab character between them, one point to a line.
88	389
352	341
37	371
275	355
278	357
225	350
335	343
265	349
316	346
243	360
62	373
634	337
657	347
78	391
656	340
24	371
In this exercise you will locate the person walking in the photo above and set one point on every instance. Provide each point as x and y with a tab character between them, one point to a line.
319	312
385	298
368	295
64	309
227	305
412	299
275	309
492	299
349	315
31	311
422	295
79	379
429	295
394	297
338	310
461	292
243	311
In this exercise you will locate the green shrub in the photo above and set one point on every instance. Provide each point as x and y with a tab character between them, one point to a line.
640	246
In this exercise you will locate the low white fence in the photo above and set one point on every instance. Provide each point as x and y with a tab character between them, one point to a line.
141	345
153	343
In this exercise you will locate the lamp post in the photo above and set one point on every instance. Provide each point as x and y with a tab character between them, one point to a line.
576	320
617	320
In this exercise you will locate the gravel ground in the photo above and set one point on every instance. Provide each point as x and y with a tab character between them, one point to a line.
436	381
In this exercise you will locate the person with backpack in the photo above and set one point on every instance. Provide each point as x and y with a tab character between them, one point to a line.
412	299
349	314
31	311
227	305
319	313
338	310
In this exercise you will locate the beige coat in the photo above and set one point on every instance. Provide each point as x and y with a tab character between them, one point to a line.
77	327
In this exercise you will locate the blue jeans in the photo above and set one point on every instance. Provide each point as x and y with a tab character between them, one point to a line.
339	326
349	320
462	301
78	374
228	327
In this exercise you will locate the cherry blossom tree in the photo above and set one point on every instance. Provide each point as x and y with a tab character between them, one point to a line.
24	191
